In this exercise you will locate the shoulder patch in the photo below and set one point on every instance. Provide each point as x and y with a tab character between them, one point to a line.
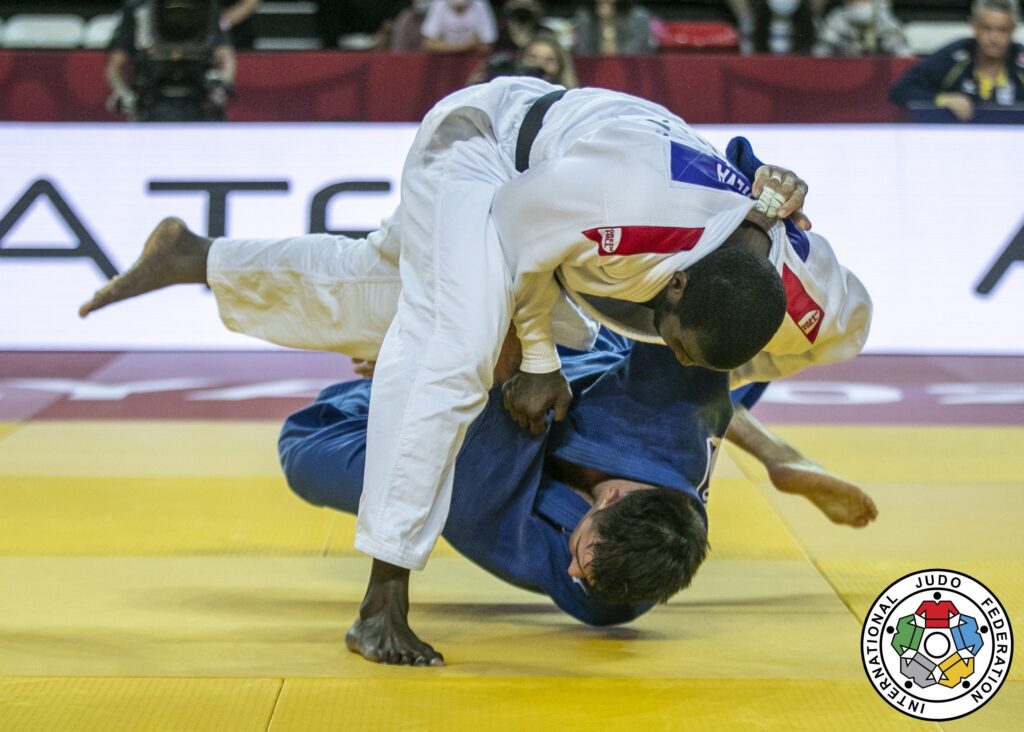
626	240
696	167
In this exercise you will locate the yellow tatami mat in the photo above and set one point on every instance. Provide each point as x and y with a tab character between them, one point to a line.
160	576
102	704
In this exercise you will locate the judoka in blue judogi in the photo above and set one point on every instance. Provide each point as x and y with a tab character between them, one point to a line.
637	415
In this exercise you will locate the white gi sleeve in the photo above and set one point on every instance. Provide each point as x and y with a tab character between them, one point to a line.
539	226
532	318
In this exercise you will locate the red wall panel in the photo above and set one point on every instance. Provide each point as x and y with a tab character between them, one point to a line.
379	87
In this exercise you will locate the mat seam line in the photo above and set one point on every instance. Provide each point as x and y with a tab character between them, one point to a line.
760	484
277	700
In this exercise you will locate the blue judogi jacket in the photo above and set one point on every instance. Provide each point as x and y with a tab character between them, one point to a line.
636	414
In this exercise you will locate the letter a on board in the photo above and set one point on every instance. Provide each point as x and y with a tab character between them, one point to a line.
87	247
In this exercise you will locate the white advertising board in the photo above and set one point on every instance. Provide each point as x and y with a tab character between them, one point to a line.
922	214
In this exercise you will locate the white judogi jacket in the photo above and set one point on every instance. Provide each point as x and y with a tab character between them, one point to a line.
614	209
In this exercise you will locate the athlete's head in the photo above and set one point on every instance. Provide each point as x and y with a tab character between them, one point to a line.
723	310
638	543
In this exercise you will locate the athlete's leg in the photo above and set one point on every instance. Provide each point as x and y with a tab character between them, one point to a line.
322	447
318	292
433	373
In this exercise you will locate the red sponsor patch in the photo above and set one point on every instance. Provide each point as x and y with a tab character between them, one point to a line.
805	312
626	240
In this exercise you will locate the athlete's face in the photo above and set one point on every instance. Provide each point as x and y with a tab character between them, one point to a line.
581	550
681	338
584	536
993	30
682	341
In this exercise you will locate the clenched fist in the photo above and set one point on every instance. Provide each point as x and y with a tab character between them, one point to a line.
528	397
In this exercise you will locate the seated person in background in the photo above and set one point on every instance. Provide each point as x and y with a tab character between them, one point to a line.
782	26
520	22
459	26
543	57
611	28
984	71
545	53
860	28
406	33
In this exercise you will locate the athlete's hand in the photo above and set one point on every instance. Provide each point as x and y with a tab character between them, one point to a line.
781	194
528	397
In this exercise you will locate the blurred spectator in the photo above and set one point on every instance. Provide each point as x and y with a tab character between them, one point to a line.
368	18
543	57
782	26
406	31
459	26
170	61
546	54
613	27
984	71
861	27
237	19
520	22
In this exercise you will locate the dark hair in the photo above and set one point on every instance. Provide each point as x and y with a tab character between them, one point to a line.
649	545
735	302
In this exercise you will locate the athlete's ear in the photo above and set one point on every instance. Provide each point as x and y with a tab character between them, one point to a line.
611	495
677	285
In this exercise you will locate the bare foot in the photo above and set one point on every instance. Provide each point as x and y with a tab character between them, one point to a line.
172	255
381	633
840	500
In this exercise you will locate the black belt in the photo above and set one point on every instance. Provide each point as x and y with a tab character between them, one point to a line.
530	127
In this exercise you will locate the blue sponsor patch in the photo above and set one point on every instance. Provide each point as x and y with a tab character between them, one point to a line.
703	169
798	240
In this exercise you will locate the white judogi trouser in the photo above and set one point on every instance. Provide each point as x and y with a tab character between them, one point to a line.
454	305
318	292
442	321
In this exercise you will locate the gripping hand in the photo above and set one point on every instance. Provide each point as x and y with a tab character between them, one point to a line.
528	397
